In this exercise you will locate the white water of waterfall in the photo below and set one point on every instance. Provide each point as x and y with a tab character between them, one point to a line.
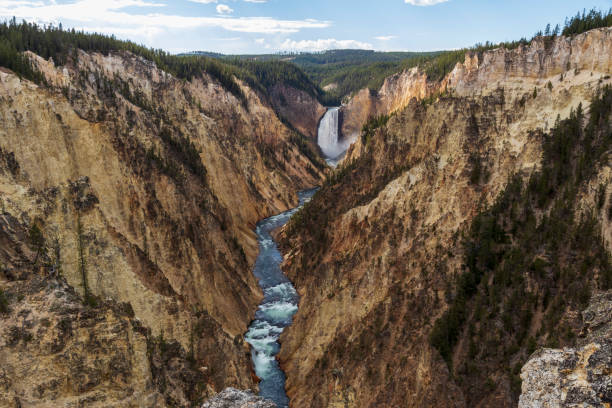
328	137
328	134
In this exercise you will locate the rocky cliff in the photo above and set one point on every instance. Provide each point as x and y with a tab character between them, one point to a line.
298	108
576	376
379	252
395	93
517	71
137	193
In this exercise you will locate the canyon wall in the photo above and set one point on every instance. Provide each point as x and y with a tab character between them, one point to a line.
517	71
376	254
298	108
137	192
395	93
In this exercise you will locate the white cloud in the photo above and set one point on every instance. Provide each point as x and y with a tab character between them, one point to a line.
89	14
385	37
21	3
323	44
224	9
260	40
425	2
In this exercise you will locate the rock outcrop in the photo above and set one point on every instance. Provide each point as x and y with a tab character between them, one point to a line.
233	398
137	187
574	377
57	352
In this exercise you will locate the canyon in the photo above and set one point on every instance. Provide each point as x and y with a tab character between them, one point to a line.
140	215
146	209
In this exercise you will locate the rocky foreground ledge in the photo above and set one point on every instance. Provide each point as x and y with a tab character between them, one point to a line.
574	377
233	398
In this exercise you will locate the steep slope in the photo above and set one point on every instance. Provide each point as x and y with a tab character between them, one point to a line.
378	254
298	108
134	187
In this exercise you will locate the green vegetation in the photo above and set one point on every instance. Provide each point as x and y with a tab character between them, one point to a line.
168	167
345	76
186	152
530	252
352	70
269	73
88	298
369	128
478	172
305	147
587	21
4	308
37	241
348	70
345	71
14	60
61	45
57	256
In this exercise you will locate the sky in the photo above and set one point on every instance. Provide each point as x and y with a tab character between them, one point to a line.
270	26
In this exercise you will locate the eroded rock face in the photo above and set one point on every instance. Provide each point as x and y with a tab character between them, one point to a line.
57	352
395	93
145	189
574	377
374	269
233	398
301	110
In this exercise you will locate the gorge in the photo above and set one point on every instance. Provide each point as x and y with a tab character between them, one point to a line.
280	301
188	231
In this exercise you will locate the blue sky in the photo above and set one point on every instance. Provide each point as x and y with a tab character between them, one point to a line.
265	26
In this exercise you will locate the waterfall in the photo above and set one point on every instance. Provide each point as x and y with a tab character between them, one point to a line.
328	137
328	134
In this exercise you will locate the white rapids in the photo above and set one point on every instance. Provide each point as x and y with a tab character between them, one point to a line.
275	312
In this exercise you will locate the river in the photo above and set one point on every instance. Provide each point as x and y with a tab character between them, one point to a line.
276	310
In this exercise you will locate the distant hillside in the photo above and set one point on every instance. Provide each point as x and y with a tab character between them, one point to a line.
341	72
